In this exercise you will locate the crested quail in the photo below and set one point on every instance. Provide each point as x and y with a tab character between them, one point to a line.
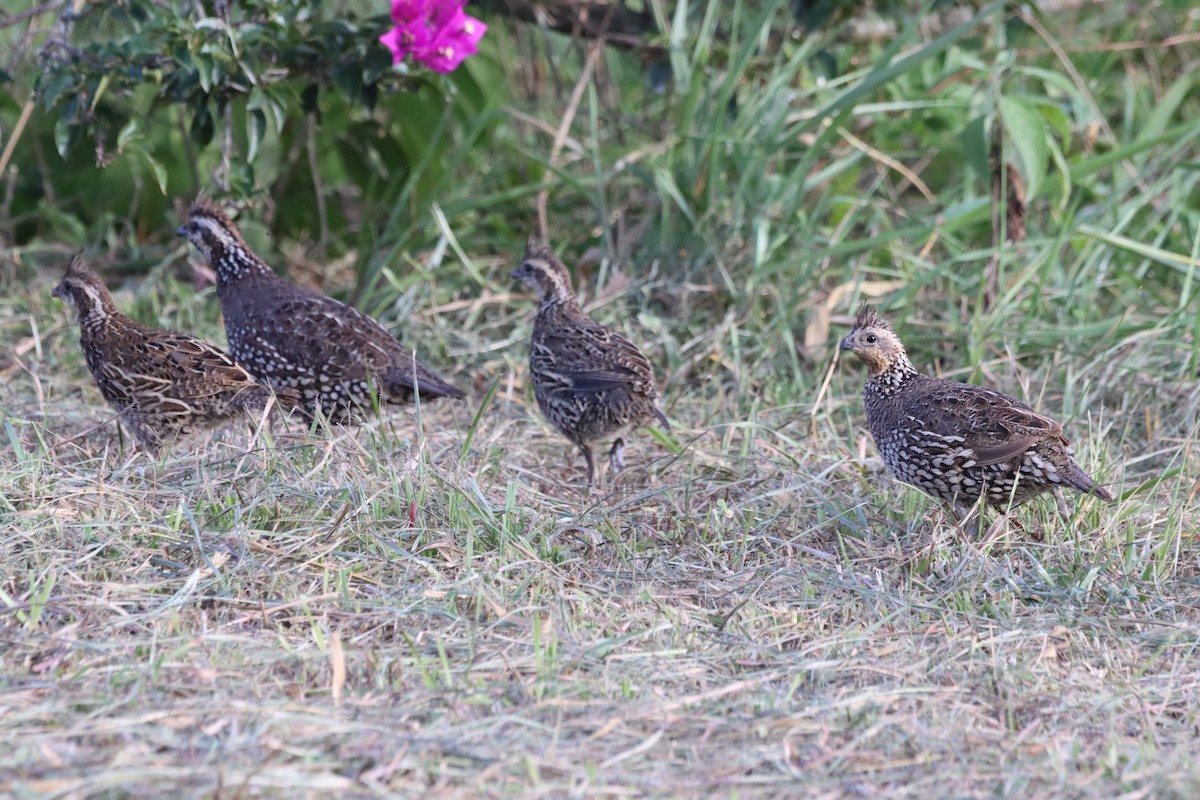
165	385
590	382
339	359
955	441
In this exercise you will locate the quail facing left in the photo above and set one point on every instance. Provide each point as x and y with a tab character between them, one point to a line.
956	441
339	359
165	385
590	382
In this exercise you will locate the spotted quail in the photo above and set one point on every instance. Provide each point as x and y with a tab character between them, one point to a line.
340	360
165	385
955	441
590	382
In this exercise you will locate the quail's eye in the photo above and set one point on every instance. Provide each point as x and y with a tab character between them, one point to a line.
872	338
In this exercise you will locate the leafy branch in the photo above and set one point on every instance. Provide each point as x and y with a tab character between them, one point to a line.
128	59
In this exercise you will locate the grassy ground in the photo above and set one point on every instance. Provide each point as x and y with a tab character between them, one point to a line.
430	605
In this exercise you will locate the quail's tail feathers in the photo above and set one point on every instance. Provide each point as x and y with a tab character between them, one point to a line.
287	398
426	382
1078	479
255	398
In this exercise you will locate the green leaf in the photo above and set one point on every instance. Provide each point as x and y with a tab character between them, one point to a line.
130	133
265	100
1027	131
55	87
156	166
1056	118
256	128
202	128
64	134
666	184
1064	173
975	146
1165	108
205	69
242	179
376	63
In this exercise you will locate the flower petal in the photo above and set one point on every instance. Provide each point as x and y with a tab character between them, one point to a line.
470	30
405	39
437	33
406	11
442	13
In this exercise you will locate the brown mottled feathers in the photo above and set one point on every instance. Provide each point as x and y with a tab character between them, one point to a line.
339	359
590	382
956	441
166	385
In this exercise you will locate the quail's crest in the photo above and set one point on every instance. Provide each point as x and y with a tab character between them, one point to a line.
874	341
85	292
541	270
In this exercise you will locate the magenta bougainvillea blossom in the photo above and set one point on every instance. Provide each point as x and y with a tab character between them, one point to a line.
438	33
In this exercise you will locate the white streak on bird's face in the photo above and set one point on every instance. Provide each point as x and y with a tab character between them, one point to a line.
209	236
91	302
547	278
222	246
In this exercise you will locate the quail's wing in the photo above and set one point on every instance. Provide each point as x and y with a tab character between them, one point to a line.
316	333
203	368
992	424
594	358
156	367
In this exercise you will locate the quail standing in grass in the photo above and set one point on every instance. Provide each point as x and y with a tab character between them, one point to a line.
165	385
340	360
590	382
955	441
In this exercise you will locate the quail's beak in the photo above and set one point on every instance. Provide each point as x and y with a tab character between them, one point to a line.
846	343
181	231
59	291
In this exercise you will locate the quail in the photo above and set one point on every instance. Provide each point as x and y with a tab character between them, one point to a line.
590	382
165	385
955	441
340	360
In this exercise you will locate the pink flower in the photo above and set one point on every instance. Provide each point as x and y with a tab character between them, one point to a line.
438	33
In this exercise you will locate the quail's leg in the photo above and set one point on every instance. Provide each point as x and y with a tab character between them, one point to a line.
970	519
616	456
262	411
591	465
1060	503
147	437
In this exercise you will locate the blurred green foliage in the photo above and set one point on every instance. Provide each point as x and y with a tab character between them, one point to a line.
771	163
140	102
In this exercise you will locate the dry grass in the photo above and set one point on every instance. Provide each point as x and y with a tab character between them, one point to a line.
756	610
429	606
